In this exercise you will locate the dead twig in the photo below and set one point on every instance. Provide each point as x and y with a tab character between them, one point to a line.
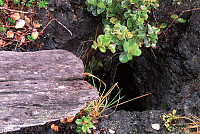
58	23
12	10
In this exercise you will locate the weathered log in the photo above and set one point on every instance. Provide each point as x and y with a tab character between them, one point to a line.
53	93
40	65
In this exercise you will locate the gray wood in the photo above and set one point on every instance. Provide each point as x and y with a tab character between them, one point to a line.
40	65
53	93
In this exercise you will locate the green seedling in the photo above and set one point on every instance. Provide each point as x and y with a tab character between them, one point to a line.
11	21
172	123
1	3
29	3
16	1
42	4
84	124
23	2
2	30
29	38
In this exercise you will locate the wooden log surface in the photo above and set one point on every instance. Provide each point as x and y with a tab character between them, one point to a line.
40	65
53	93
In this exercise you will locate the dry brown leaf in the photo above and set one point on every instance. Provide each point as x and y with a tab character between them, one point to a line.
10	34
27	19
34	34
15	16
2	42
36	25
70	119
54	127
20	23
22	39
63	121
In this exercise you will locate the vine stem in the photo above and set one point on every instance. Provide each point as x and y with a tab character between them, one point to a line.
180	16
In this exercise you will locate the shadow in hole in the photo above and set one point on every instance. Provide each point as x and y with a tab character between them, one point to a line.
126	81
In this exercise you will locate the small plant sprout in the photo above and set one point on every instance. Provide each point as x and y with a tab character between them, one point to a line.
84	124
29	38
172	123
23	2
11	21
2	30
1	3
16	1
42	4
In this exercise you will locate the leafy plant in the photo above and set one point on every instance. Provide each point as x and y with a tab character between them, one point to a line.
23	2
84	124
29	38
42	4
11	21
2	29
1	3
169	118
16	1
171	122
125	26
29	3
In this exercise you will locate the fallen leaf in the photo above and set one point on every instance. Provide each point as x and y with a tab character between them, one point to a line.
54	127
15	16
70	119
34	34
27	19
2	42
10	34
36	25
22	39
63	121
20	23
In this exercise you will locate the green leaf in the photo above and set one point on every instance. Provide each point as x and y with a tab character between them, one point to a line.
84	129
78	130
109	2
102	49
90	125
106	41
100	10
94	46
79	122
114	20
100	40
130	56
163	25
129	23
133	48
174	16
150	29
125	46
125	4
123	57
112	48
181	20
101	4
93	2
